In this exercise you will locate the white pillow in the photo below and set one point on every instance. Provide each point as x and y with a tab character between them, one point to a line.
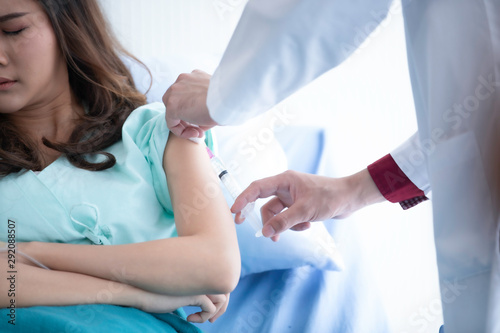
251	152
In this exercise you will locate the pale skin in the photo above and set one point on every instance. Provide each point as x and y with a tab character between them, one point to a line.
299	198
200	267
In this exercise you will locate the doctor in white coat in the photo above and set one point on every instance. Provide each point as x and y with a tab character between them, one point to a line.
454	57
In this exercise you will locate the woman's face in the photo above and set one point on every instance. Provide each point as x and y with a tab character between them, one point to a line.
33	72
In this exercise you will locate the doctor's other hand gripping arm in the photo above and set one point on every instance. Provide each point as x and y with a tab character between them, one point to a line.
186	103
301	198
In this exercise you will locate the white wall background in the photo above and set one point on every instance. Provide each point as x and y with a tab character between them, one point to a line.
365	103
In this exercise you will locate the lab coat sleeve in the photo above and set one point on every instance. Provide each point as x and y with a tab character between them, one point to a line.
402	175
281	45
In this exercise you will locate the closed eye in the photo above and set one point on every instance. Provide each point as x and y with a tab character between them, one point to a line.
14	33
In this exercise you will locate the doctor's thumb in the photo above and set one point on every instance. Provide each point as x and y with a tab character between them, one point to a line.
281	222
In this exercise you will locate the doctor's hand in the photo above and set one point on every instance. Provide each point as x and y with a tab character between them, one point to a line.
302	198
186	102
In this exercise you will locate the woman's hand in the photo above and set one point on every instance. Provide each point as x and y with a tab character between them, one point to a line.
212	306
217	308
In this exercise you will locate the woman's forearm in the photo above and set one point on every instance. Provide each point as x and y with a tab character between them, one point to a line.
33	286
173	266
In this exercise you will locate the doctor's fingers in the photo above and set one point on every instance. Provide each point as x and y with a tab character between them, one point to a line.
297	214
187	97
192	132
278	185
271	208
196	76
185	130
174	124
301	226
274	207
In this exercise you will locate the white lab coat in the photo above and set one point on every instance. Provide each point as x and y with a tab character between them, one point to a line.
453	54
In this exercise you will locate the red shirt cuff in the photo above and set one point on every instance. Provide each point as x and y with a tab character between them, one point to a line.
394	185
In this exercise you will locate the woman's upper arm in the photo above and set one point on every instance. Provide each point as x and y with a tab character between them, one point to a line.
200	209
197	199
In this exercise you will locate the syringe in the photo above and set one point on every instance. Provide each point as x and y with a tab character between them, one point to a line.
235	190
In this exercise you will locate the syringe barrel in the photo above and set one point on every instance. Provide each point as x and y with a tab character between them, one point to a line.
231	185
229	182
251	217
235	190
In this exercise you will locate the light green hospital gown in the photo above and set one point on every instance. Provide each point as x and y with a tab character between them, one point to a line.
127	203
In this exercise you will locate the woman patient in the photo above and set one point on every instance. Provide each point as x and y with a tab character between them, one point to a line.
84	168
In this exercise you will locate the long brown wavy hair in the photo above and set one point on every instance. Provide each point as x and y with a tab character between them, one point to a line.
98	78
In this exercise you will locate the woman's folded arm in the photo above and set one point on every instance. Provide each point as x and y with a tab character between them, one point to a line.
204	259
33	286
